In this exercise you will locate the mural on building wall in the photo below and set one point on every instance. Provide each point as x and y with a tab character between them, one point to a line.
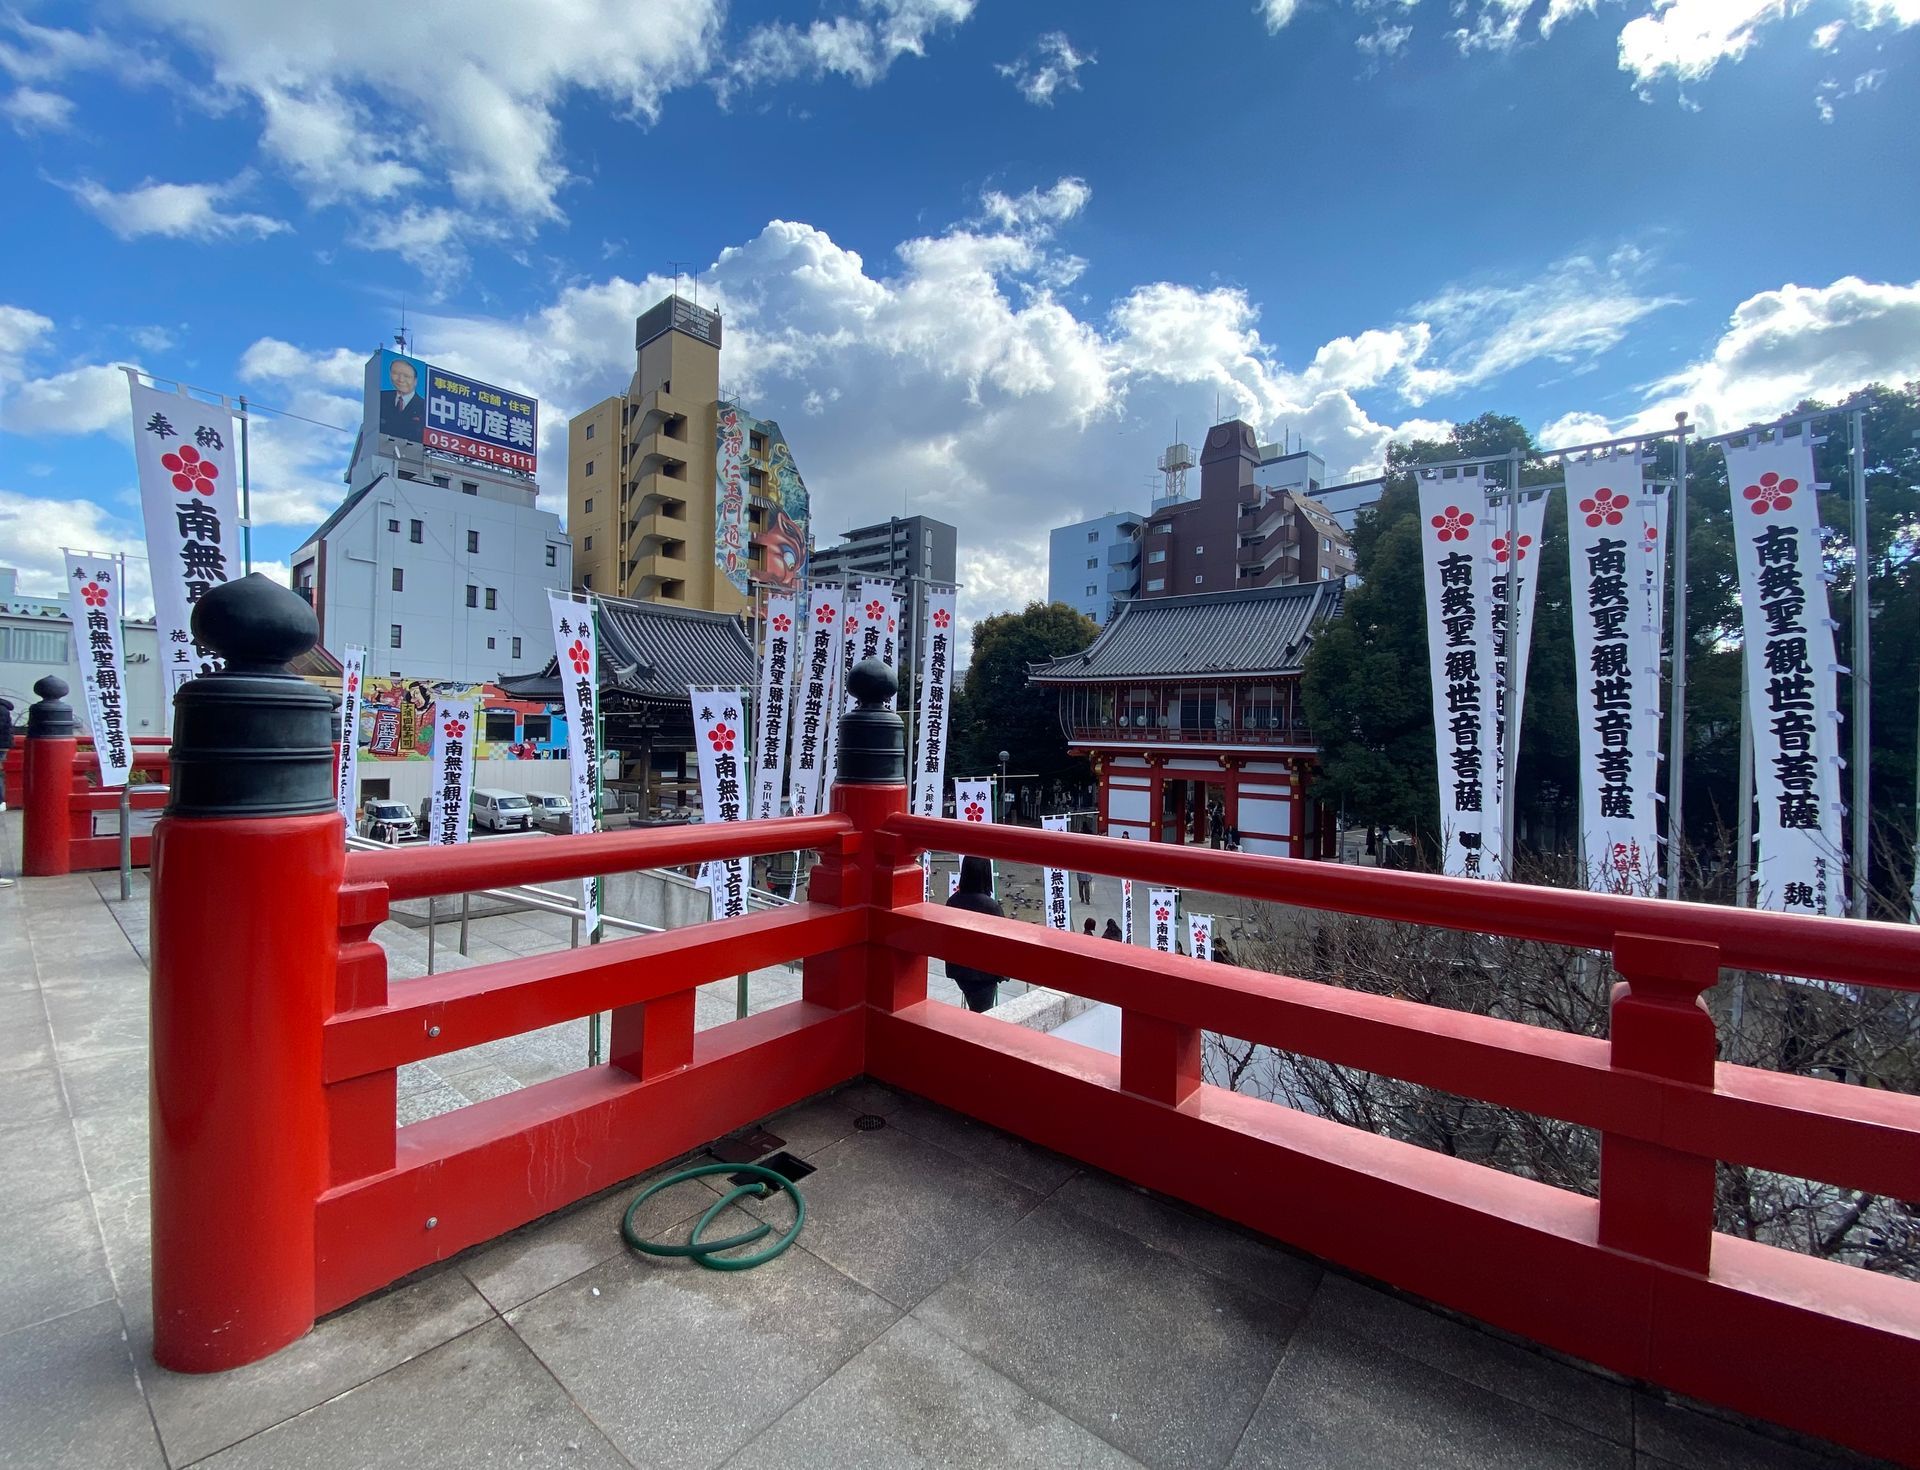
783	539
396	723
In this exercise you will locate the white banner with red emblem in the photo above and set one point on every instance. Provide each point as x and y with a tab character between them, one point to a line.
1126	911
576	653
1200	936
867	629
1792	678
816	718
1456	556
1163	911
1616	672
190	502
1510	689
454	736
1059	913
775	704
933	700
346	792
890	642
720	739
973	800
95	599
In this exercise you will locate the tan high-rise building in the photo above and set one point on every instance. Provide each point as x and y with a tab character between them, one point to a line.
642	480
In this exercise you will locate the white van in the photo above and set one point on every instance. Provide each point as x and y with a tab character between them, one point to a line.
501	811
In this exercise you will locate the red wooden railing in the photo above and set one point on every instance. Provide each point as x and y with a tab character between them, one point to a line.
55	783
301	1123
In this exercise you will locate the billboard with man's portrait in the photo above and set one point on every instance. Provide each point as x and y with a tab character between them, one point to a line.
422	404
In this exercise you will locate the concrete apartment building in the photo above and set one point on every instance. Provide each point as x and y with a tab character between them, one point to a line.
1094	565
1241	530
438	566
648	495
911	550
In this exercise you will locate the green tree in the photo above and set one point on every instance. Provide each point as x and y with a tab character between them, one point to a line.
996	709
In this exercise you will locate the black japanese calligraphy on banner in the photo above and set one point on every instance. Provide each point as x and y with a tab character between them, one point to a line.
720	743
346	783
1059	914
95	599
1163	910
189	499
576	652
1200	936
1792	678
771	714
814	719
933	700
1457	562
1616	672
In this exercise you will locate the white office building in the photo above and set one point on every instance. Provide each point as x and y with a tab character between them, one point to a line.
1093	564
438	567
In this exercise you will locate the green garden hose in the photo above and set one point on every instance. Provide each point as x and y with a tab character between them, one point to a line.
705	1251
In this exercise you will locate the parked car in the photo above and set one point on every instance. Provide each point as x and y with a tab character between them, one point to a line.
551	813
387	821
502	811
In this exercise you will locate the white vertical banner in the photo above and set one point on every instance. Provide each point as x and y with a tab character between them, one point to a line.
1455	557
346	793
933	699
1059	912
875	612
1200	936
1616	680
1652	506
973	800
1511	690
953	883
720	739
453	741
576	652
890	644
1163	909
1792	684
190	502
816	716
926	876
853	636
775	703
96	601
1126	911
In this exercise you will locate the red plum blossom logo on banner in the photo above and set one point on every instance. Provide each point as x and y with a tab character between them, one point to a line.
782	623
974	812
722	736
580	656
94	595
1772	493
853	624
875	612
190	471
824	615
941	617
1500	547
1606	507
453	729
1648	536
1452	523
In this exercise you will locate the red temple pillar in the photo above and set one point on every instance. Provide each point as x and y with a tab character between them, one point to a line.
47	774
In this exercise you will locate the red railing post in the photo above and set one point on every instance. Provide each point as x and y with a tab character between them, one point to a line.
1159	1060
247	867
1655	1201
47	774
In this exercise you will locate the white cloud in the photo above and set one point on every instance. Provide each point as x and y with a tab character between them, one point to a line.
1832	91
1042	207
82	400
32	110
35	528
860	47
1687	39
271	360
1048	66
1495	28
1828	36
20	331
36	53
175	211
1278	14
1384	42
1578	427
1559	11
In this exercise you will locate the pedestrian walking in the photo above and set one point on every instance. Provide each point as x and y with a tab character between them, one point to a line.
1087	927
1085	880
1112	931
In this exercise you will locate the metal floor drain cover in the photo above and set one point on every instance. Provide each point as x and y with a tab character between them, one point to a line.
867	1122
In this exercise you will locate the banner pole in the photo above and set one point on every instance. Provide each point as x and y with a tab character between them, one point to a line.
1862	673
1677	730
1510	737
246	495
1743	841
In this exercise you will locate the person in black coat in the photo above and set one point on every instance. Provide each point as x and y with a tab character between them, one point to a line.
975	896
1112	931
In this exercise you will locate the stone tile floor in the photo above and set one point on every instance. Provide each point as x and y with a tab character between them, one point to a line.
958	1297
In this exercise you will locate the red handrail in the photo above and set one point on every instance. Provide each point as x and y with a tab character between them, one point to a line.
1854	951
421	872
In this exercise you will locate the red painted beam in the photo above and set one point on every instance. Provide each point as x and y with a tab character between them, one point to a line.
495	1165
1847	1135
510	997
1815	1345
1853	951
421	872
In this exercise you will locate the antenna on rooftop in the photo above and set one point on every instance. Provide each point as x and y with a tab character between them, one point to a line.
1174	464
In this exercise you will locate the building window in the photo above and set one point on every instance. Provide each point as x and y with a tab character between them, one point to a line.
1092	562
1326	574
34	646
1092	591
516	648
393	526
399	579
536	727
589	431
553	555
393	636
473	595
757	443
443	481
1093	535
469	487
587	509
1160	555
589	543
413	532
1326	543
1199	551
587	580
493	599
489	643
589	466
500	726
473	541
1198	579
1156	584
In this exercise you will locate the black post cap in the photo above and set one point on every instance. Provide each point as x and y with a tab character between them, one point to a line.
50	717
873	741
252	740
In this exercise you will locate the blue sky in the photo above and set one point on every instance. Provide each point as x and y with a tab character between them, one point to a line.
976	256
